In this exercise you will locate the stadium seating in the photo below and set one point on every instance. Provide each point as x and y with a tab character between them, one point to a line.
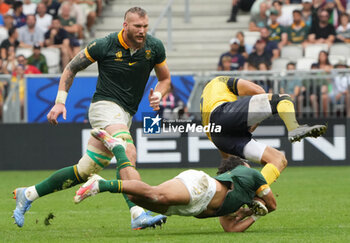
280	64
53	59
305	63
292	52
312	51
26	52
334	59
340	49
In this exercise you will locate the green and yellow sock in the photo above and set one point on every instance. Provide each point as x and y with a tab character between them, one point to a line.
122	162
62	179
114	186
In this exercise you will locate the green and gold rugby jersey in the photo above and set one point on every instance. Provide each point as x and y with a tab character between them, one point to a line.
122	77
246	183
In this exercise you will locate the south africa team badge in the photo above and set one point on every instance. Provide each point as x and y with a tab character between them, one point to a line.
148	54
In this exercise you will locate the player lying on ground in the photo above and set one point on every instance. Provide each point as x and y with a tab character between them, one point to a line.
192	192
125	61
239	117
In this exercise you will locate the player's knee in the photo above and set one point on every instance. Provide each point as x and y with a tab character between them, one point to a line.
282	161
92	162
276	98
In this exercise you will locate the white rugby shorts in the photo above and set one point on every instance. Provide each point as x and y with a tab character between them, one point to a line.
202	189
104	113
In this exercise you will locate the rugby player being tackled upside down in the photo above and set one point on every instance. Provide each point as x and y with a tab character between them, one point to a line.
239	118
192	192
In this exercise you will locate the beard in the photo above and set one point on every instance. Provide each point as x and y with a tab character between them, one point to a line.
136	43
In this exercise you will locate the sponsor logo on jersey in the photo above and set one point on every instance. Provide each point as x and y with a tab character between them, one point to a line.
132	63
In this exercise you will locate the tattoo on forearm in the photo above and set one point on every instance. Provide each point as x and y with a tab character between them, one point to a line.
78	63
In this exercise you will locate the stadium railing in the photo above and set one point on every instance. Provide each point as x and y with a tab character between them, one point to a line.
12	104
167	12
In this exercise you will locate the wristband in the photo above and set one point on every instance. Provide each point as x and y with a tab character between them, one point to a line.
158	94
255	217
61	97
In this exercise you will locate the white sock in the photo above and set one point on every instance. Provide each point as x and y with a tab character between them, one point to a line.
31	193
136	211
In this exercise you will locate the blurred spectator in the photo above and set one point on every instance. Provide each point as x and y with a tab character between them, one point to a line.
4	7
343	30
70	23
307	12
57	37
334	12
43	19
255	9
10	63
322	32
245	5
242	49
28	68
284	17
298	31
52	7
258	56
30	34
260	20
271	46
291	86
266	84
88	8
340	89
323	61
234	11
12	40
38	60
316	90
225	63
3	86
4	30
18	77
169	105
237	60
18	16
29	7
75	11
277	32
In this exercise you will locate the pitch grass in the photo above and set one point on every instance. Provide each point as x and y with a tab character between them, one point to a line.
313	206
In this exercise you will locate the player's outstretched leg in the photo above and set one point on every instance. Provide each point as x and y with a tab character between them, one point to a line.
117	147
97	184
284	106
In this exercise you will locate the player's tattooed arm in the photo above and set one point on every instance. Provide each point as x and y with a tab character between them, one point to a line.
78	63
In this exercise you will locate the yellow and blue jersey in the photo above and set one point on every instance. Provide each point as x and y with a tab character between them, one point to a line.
218	91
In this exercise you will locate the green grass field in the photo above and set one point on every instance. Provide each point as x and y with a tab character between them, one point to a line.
313	205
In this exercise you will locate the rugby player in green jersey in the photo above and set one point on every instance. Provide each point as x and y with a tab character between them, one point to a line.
125	61
193	192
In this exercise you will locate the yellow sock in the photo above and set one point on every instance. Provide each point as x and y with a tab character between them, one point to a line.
286	111
270	173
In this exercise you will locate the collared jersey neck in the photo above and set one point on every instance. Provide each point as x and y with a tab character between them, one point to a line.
123	43
121	39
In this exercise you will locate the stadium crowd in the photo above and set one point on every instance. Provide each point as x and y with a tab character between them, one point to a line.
318	30
34	33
